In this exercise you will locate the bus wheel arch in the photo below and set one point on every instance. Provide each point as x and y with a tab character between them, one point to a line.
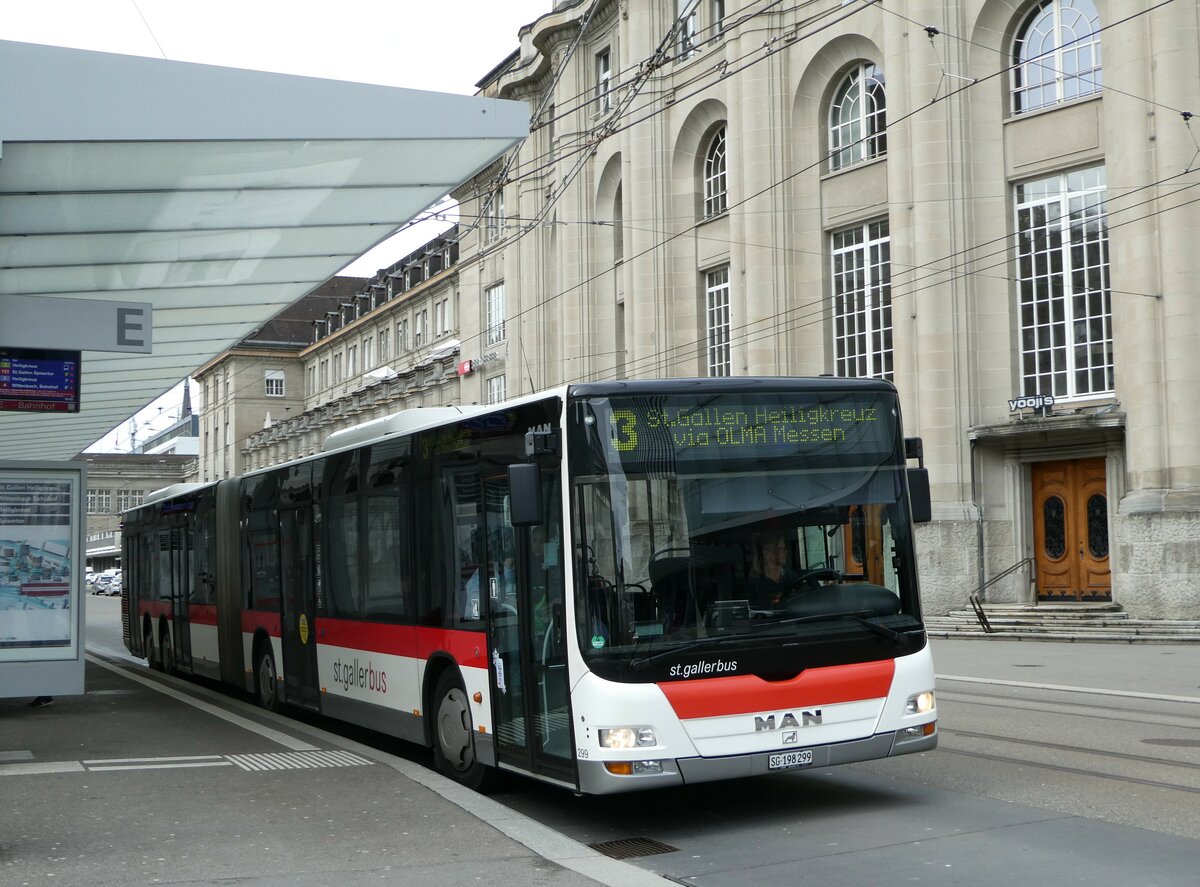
266	676
453	732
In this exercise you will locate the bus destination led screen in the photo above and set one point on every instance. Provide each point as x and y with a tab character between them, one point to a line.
736	427
39	380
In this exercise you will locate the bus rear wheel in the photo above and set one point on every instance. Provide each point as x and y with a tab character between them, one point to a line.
166	655
150	650
266	681
454	734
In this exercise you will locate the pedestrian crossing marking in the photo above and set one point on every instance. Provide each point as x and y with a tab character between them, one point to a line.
299	760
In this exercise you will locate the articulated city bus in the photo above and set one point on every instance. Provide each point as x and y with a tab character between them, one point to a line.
610	586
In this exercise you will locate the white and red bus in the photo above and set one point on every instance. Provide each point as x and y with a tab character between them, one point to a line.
610	586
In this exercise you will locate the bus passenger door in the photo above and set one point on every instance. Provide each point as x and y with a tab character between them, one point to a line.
297	608
527	637
183	546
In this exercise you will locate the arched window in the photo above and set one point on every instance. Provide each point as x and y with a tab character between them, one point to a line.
858	118
1056	56
715	182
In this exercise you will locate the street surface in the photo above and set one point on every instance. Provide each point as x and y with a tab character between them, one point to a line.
1057	763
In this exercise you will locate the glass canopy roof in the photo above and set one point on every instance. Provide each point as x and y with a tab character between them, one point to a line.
218	195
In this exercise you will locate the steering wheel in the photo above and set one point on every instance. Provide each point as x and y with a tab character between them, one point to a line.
811	578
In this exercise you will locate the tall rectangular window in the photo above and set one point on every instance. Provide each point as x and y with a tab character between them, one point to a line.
311	375
495	314
325	373
495	389
274	383
127	499
441	316
337	368
421	328
402	336
604	81
716	298
384	343
862	301
494	214
368	351
687	22
1063	285
99	501
351	360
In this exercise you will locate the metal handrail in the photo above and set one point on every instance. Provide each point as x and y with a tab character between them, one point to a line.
977	602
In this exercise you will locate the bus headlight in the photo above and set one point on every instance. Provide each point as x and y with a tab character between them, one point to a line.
627	737
920	703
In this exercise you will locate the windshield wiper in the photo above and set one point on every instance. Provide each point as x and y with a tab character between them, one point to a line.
859	616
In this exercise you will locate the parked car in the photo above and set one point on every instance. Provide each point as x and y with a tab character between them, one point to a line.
105	579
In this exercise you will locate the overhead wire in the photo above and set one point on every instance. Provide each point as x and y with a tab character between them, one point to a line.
891	123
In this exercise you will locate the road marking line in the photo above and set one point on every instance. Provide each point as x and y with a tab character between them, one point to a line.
170	766
1095	691
155	760
40	769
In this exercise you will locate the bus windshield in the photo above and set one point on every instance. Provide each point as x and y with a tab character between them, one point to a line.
739	520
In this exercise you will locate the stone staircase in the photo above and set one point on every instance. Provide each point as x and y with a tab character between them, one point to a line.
1088	623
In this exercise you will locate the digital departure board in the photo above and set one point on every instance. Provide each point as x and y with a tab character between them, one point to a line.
39	380
680	429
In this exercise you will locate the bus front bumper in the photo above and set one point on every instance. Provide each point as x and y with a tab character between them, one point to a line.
595	777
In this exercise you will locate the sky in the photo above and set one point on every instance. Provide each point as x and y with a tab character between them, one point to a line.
446	46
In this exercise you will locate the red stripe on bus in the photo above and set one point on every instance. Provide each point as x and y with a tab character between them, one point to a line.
202	614
467	647
414	641
154	609
740	694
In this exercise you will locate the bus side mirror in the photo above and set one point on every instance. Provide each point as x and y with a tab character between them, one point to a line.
918	482
918	495
525	495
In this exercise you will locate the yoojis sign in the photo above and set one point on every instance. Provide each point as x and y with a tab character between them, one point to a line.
1033	402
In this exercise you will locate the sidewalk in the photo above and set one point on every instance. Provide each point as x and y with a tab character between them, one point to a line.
146	779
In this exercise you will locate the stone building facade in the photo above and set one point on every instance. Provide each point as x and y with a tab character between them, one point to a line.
117	482
952	196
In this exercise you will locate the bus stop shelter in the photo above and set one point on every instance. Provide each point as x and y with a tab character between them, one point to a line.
210	199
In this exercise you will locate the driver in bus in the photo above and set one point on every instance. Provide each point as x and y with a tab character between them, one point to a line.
770	578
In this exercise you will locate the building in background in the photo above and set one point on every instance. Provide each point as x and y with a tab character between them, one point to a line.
117	482
260	380
393	345
948	196
181	437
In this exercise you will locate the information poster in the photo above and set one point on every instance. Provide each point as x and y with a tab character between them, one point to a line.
37	541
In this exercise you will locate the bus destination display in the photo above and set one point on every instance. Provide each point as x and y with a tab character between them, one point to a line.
734	427
39	380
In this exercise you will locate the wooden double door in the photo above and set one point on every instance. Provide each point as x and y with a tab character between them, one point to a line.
1071	531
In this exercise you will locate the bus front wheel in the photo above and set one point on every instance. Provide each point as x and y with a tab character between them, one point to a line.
266	681
454	734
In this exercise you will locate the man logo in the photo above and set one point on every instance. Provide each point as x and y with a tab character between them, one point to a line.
791	736
807	719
